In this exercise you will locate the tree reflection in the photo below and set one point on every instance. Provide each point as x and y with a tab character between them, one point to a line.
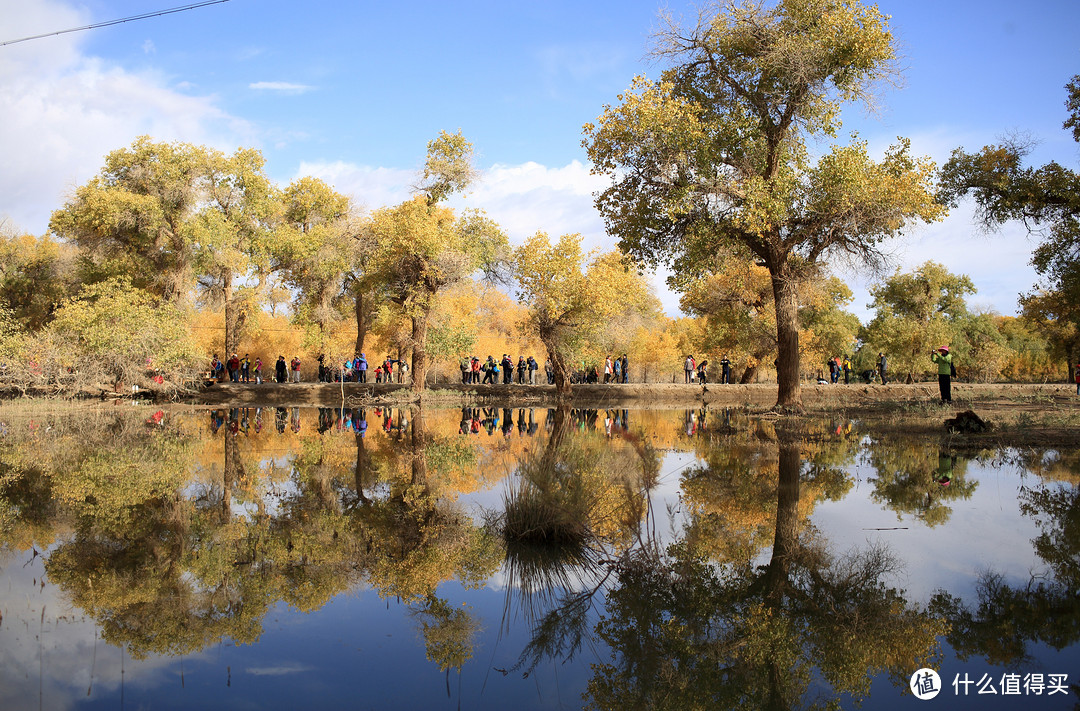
1008	619
686	632
169	567
918	478
576	504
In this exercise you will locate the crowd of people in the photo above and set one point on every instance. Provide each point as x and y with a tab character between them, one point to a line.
355	370
492	372
841	367
489	372
246	370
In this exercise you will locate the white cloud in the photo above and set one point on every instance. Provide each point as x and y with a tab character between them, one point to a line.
63	112
531	198
281	86
369	187
280	669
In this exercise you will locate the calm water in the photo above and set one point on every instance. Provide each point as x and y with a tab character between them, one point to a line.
526	559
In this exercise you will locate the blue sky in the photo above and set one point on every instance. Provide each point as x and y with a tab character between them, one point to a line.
352	92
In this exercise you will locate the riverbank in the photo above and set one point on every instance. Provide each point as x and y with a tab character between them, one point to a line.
1046	415
1020	397
1020	415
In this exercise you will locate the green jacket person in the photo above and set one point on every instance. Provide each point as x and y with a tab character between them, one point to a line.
944	368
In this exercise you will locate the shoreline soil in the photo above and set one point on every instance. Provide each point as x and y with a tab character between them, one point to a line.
756	396
1020	415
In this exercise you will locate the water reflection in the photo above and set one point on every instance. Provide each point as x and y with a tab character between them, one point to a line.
673	559
686	632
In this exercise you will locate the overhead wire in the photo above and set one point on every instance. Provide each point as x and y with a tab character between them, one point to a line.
145	15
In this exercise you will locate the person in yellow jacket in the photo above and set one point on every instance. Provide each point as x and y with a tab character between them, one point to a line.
945	370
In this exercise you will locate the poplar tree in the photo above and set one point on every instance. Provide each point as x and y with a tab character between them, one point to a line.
718	152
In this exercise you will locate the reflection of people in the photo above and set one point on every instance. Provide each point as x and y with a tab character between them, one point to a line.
945	466
945	369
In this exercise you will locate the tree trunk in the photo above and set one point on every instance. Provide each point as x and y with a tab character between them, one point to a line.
231	473
418	448
560	421
419	351
786	297
235	316
361	309
558	365
785	541
748	375
360	473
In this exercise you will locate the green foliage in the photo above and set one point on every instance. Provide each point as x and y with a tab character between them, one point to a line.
170	216
450	340
317	252
448	167
917	312
449	633
36	275
569	306
137	214
981	347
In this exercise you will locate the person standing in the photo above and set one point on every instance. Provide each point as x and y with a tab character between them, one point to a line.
281	369
507	369
688	369
233	367
363	368
296	369
625	368
881	363
521	367
245	369
1076	377
258	370
846	367
533	367
725	370
549	370
945	370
